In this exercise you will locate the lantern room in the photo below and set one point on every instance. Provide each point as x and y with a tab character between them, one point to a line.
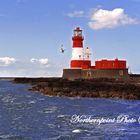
77	38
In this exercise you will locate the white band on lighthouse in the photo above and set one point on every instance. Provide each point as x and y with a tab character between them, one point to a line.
77	54
87	54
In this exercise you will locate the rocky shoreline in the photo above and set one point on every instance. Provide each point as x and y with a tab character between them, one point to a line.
96	88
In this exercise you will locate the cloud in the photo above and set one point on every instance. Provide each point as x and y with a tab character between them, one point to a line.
110	19
39	67
42	61
76	14
6	61
26	69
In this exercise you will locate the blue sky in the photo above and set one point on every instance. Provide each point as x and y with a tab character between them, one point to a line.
37	28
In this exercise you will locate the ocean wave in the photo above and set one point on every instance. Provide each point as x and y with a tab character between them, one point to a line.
77	131
11	137
49	109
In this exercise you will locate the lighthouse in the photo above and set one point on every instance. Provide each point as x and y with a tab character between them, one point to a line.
80	63
80	56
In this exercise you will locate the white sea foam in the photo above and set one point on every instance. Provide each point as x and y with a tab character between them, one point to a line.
50	109
76	131
8	136
61	116
8	98
32	102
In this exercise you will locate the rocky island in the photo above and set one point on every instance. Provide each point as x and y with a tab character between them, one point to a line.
105	79
95	88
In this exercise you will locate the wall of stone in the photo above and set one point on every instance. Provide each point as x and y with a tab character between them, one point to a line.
106	73
72	74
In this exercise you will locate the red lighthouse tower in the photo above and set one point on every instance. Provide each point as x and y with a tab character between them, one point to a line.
80	57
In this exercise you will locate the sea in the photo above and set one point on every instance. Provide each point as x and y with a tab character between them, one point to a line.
30	115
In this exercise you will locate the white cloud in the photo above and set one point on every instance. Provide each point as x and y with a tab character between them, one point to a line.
76	14
6	61
109	19
25	69
42	61
39	68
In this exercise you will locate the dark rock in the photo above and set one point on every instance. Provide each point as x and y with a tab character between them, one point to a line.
96	88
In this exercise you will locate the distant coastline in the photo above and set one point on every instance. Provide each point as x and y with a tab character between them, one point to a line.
95	88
